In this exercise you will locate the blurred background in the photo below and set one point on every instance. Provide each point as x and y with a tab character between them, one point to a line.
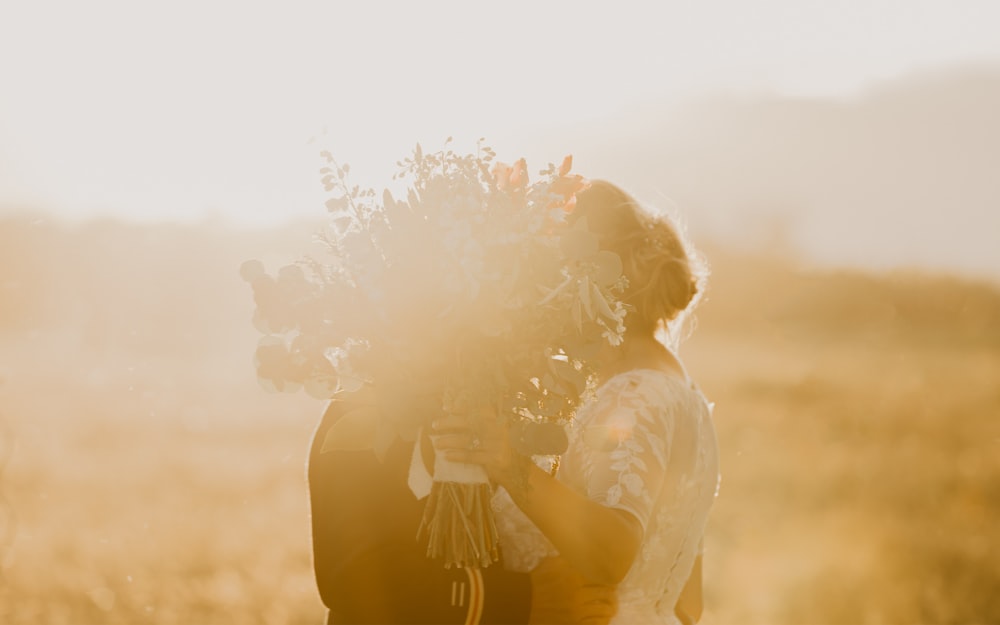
837	163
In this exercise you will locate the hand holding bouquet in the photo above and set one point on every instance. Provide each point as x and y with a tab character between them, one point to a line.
472	296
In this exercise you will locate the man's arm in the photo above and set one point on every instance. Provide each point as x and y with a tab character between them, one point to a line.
369	566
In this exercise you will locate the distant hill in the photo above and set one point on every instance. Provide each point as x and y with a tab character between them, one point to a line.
768	296
907	174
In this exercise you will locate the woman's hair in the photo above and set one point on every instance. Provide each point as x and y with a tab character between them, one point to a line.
665	278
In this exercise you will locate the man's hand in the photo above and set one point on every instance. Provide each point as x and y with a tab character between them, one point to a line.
559	594
485	443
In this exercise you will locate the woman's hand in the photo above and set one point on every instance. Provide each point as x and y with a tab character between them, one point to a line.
561	595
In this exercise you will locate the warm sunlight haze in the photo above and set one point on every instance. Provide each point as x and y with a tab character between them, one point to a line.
835	163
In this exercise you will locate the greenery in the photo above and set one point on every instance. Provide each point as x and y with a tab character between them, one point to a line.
473	287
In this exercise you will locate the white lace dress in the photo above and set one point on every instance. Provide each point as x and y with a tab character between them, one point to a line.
645	443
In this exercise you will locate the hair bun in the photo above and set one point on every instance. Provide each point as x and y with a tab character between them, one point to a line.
662	283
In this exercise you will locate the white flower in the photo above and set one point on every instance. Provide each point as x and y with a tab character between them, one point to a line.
614	338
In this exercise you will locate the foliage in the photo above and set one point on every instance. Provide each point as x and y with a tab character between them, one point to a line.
474	289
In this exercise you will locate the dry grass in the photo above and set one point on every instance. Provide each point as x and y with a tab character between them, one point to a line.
154	483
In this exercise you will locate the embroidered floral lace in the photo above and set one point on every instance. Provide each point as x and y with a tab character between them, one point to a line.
645	443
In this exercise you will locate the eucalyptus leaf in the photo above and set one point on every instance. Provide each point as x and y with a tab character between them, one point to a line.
602	304
609	268
268	385
578	244
567	372
549	382
336	204
585	297
261	324
321	387
539	439
350	383
251	270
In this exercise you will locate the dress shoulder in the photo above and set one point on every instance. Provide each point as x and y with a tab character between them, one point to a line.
646	393
621	442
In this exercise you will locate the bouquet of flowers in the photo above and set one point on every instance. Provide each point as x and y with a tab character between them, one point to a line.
472	294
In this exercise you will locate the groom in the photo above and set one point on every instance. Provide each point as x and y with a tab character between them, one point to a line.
371	569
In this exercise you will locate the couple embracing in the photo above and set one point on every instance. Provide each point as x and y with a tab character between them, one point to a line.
614	534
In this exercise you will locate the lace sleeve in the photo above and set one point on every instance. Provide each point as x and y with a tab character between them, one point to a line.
624	444
522	544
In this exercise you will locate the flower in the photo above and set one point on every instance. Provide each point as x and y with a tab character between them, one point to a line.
474	291
469	278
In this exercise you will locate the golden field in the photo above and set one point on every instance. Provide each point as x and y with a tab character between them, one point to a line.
147	479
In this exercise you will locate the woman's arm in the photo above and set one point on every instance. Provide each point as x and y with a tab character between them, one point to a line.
599	541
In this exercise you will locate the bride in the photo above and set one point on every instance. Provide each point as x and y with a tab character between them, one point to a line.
630	501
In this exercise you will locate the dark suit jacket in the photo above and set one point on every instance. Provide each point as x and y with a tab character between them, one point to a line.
369	566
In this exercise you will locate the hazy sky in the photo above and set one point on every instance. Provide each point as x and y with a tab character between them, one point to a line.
175	110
